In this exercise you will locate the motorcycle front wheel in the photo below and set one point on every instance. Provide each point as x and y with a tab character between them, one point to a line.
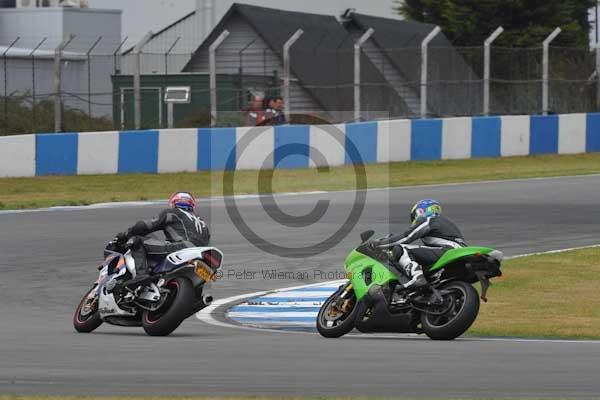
174	310
455	316
335	319
87	317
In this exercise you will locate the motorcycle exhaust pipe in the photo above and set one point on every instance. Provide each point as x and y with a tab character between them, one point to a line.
207	300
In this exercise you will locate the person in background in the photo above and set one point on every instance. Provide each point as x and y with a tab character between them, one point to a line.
255	114
274	114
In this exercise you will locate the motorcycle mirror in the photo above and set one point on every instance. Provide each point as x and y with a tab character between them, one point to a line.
366	235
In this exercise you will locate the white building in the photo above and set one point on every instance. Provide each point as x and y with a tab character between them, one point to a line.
31	30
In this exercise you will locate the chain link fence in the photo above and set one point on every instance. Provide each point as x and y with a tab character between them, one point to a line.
96	92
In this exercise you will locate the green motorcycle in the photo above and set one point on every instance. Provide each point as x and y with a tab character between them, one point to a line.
371	302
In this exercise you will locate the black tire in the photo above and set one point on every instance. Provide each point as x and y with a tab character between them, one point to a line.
176	308
88	321
460	318
346	323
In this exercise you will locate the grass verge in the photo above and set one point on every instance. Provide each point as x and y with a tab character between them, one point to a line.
20	193
545	296
240	398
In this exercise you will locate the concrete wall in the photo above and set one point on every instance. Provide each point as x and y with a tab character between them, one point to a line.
296	146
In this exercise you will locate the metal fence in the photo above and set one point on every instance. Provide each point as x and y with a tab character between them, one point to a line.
48	90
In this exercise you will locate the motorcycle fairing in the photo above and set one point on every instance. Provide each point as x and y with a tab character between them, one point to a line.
453	255
366	272
183	257
107	306
115	266
186	255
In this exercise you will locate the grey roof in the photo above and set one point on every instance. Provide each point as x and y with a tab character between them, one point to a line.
401	42
322	59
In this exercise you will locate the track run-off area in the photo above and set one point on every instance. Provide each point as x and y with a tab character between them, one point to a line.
49	259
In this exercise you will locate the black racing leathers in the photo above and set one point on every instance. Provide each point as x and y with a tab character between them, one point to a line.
182	229
437	233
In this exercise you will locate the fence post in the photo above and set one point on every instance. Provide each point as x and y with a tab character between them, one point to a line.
137	79
117	52
89	71
33	89
357	46
241	72
6	85
169	53
546	44
424	65
212	58
486	68
598	76
286	72
166	83
57	82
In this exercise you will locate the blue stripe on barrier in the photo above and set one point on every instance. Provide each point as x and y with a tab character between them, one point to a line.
426	139
361	143
287	299
544	134
217	149
56	154
292	146
263	309
485	136
592	133
274	321
138	152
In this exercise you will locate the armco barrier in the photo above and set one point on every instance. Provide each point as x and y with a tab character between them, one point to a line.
297	146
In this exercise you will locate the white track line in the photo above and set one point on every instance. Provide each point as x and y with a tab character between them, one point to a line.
541	253
206	315
311	193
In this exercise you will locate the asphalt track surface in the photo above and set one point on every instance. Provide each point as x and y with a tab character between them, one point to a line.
49	257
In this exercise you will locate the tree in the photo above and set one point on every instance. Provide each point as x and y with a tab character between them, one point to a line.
526	22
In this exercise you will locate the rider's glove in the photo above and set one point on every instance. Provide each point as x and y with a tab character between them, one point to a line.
374	244
122	237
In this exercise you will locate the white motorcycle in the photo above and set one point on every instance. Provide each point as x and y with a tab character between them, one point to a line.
175	290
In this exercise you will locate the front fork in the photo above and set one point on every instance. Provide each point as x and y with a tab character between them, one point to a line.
342	302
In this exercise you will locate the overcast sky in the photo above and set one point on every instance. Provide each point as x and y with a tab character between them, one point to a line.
140	16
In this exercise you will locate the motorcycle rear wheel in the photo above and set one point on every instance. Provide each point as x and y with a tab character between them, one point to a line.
461	315
87	317
166	319
342	324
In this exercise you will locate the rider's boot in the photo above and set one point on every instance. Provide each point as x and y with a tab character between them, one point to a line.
415	272
138	252
142	274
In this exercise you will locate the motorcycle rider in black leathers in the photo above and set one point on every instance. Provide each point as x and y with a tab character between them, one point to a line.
182	229
438	234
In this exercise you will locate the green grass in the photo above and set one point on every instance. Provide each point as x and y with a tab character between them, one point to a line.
17	193
545	296
240	398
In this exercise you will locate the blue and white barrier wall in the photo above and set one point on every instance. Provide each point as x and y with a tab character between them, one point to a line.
298	146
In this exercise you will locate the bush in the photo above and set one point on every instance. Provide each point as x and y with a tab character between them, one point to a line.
20	118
